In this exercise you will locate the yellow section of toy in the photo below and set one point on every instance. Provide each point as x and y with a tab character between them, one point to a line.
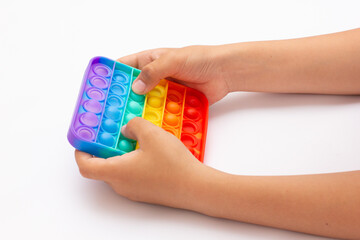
155	104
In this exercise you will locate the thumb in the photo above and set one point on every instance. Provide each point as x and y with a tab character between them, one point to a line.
152	73
141	130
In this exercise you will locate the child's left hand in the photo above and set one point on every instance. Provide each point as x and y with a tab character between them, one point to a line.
161	171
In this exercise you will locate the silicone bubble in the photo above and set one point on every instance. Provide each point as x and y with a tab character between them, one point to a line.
120	77
190	127
155	102
174	96
89	119
171	119
115	101
109	125
193	101
152	116
192	113
118	89
92	106
95	93
158	91
136	97
173	107
106	139
188	140
128	117
101	70
134	107
113	113
86	133
99	82
125	145
170	130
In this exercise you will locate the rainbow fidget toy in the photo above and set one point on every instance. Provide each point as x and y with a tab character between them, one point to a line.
106	103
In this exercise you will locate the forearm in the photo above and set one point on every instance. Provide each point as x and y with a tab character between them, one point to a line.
326	64
324	204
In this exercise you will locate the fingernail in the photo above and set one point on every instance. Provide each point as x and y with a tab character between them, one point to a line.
138	86
123	129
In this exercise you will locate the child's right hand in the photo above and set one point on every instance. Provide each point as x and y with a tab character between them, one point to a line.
323	65
199	67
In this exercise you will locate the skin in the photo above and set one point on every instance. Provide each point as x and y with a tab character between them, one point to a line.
323	204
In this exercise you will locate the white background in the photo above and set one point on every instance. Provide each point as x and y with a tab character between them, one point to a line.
44	49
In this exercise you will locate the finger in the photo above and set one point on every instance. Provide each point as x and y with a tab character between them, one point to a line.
141	130
164	66
91	167
131	60
149	56
140	59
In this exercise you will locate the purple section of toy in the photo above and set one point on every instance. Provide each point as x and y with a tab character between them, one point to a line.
92	101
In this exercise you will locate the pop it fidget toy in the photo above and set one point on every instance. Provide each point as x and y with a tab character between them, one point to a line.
106	103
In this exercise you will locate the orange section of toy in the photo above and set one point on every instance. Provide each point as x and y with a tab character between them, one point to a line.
181	111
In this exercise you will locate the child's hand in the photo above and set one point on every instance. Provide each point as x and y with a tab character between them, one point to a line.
161	171
199	67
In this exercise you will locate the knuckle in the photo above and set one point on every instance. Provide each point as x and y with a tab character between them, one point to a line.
84	172
98	172
172	56
175	57
156	53
159	52
134	197
127	193
117	190
133	122
147	72
149	132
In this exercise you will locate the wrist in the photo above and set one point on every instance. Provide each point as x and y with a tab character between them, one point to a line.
208	191
232	59
247	66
